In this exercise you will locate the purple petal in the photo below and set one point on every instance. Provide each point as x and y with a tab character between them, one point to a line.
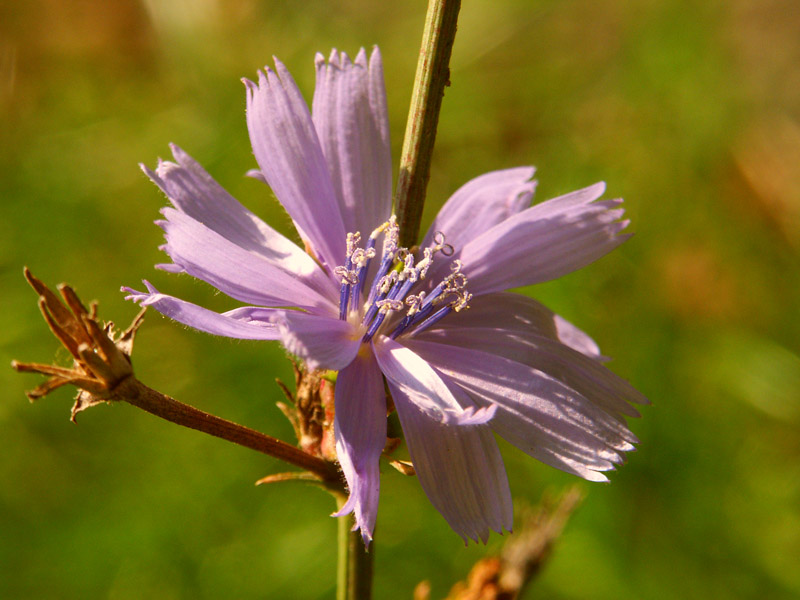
584	375
233	270
256	174
239	323
422	385
516	314
537	413
290	158
543	242
195	193
460	469
482	203
350	116
360	431
573	337
322	342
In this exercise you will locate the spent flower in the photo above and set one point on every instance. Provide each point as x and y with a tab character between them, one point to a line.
462	358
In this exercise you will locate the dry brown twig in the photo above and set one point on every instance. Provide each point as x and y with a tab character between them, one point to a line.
103	372
505	577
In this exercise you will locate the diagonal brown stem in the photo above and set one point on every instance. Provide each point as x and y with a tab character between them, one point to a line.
134	392
102	370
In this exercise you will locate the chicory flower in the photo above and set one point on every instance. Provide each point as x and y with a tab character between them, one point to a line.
463	358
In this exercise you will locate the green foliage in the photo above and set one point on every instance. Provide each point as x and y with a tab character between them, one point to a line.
687	112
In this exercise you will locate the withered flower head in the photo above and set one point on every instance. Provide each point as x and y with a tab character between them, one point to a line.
100	360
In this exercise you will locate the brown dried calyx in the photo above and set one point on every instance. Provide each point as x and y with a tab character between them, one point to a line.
100	360
310	411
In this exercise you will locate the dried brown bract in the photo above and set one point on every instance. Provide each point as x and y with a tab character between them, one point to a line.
101	361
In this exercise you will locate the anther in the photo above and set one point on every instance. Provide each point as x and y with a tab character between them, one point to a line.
353	240
395	278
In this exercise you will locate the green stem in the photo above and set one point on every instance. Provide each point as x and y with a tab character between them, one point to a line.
354	571
433	75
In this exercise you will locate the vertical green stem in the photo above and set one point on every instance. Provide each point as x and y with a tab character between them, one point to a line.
433	75
354	571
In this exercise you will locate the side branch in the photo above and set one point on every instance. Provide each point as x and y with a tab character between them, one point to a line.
103	372
433	75
136	393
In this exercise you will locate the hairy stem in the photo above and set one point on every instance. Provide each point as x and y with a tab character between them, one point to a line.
433	75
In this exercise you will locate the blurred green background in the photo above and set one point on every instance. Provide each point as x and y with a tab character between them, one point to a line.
689	110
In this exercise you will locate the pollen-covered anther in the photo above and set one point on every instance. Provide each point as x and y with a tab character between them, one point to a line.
392	239
387	281
348	277
353	240
414	301
389	305
426	262
409	273
361	256
456	281
398	273
462	302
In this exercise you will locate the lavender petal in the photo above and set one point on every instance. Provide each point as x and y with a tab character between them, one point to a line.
482	203
460	469
537	413
250	278
322	342
511	313
194	192
423	386
360	431
544	242
234	324
289	155
586	376
350	116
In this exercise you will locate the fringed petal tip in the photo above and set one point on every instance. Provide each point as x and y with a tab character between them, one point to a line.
149	172
364	507
482	537
170	267
256	174
471	416
340	60
350	507
141	298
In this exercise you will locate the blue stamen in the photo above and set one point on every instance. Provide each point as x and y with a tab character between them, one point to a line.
410	321
437	316
343	297
383	270
391	287
373	328
362	272
401	289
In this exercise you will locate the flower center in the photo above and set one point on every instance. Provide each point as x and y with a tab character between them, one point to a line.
396	277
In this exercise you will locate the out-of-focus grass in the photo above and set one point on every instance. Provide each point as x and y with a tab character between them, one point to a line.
689	110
